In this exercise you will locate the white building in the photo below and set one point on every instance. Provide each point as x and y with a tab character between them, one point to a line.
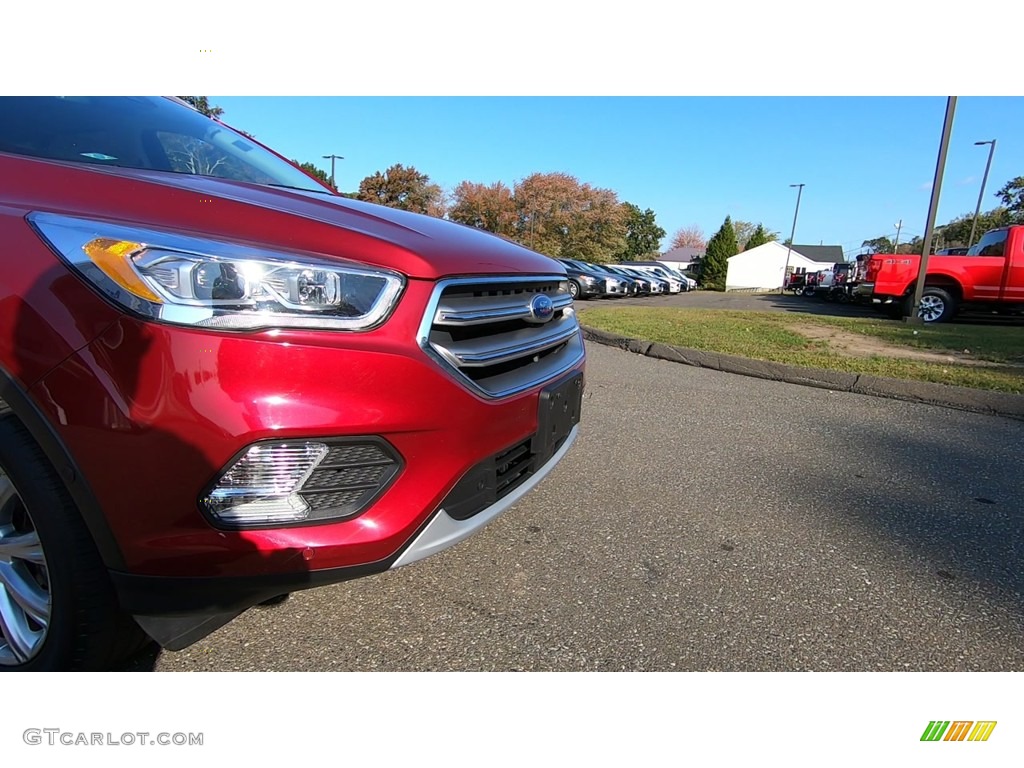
761	268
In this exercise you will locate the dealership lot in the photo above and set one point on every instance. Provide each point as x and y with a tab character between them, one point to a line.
701	522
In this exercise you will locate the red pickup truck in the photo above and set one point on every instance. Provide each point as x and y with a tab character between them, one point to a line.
990	275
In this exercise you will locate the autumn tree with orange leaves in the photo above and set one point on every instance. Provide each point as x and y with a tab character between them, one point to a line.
403	188
552	213
484	207
689	237
561	217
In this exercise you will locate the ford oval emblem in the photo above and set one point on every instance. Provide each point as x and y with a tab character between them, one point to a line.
541	308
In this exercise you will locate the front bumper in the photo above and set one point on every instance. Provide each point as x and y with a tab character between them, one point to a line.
153	414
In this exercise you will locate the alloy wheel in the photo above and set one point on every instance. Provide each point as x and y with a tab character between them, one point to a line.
25	604
931	309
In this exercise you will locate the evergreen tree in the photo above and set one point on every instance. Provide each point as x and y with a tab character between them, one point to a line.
715	264
760	237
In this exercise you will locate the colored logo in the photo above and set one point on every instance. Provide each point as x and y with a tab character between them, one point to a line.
958	730
541	308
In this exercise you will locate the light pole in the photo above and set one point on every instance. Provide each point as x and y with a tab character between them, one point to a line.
332	158
984	180
792	234
896	245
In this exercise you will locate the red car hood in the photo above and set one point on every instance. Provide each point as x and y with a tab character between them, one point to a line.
306	222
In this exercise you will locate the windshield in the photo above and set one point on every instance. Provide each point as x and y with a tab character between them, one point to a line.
150	133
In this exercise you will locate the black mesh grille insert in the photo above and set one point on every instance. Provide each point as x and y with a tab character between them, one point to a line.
328	479
319	501
349	478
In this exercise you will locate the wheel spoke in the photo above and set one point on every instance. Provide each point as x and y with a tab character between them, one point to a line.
24	546
25	592
14	627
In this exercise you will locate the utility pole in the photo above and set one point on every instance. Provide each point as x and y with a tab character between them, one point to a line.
940	166
896	245
792	234
332	158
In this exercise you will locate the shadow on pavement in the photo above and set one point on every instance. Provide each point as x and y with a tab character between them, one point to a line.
950	496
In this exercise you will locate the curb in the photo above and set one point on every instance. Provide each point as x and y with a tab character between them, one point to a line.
943	395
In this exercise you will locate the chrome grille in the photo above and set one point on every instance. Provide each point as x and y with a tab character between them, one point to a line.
484	331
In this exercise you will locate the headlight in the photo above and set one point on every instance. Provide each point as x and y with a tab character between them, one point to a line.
208	283
587	279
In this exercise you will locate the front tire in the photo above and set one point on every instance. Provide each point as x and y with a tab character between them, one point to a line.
58	610
574	289
937	305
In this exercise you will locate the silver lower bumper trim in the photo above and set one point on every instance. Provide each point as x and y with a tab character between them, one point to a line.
443	532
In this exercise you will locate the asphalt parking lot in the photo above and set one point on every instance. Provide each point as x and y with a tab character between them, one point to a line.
703	521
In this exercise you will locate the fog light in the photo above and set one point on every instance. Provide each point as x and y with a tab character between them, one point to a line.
289	483
262	486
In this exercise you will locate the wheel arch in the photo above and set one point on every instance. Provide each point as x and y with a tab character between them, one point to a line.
16	402
946	282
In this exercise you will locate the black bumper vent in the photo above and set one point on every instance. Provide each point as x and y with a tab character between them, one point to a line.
350	477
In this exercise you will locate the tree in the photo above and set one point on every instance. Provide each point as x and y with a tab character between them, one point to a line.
878	245
484	207
759	237
689	237
957	232
1012	196
643	235
914	245
716	261
403	188
203	105
312	170
560	217
744	230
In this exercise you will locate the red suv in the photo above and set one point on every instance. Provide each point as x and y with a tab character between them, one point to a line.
220	382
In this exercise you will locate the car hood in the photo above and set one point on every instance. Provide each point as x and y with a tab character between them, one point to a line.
416	245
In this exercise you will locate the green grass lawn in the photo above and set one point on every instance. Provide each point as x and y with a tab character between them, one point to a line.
997	350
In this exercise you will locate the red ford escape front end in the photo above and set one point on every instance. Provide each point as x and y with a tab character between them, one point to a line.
220	382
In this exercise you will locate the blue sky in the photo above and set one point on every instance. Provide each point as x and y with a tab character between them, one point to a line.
488	93
866	162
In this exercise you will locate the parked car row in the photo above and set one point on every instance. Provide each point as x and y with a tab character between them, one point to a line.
587	280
